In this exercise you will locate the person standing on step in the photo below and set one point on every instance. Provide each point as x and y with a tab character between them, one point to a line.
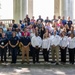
13	42
55	40
25	42
63	46
71	47
9	35
1	30
3	47
36	43
45	47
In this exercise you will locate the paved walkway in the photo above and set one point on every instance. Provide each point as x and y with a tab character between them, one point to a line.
37	69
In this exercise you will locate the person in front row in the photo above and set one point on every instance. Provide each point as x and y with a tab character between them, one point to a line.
36	43
63	46
25	42
3	47
71	48
13	42
45	47
55	40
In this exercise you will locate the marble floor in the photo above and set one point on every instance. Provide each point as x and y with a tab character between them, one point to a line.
36	69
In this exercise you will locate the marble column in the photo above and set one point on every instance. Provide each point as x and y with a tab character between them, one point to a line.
19	9
70	8
57	7
30	8
16	10
66	8
24	8
0	9
62	9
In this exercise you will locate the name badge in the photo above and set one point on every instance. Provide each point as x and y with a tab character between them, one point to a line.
2	43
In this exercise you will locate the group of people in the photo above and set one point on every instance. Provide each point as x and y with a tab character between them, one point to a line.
30	36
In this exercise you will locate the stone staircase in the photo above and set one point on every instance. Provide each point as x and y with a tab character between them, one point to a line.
19	58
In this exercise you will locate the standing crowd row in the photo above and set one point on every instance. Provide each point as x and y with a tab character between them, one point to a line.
30	36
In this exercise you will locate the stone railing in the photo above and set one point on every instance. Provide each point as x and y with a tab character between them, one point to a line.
9	21
6	21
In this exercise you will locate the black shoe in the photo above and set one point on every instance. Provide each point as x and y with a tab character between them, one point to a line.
9	55
63	63
52	61
12	62
27	62
22	62
47	61
33	62
2	61
5	61
57	63
72	63
38	62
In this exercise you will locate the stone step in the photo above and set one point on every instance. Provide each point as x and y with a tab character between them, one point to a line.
41	59
30	60
40	56
41	53
19	59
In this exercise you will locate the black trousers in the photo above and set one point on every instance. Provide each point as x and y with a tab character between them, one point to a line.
31	50
3	54
63	54
9	50
14	54
71	55
35	54
46	55
18	51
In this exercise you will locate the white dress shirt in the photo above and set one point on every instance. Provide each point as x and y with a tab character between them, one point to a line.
18	35
63	41
36	41
31	35
46	43
55	40
71	42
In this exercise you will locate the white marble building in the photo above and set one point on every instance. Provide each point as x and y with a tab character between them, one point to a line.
61	8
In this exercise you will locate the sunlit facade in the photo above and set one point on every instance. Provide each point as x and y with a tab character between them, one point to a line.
40	7
46	9
6	10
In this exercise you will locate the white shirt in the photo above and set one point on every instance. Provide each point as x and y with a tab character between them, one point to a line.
71	42
32	34
18	34
46	44
63	41
55	40
36	41
5	29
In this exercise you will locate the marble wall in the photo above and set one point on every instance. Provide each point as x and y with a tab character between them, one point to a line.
23	7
